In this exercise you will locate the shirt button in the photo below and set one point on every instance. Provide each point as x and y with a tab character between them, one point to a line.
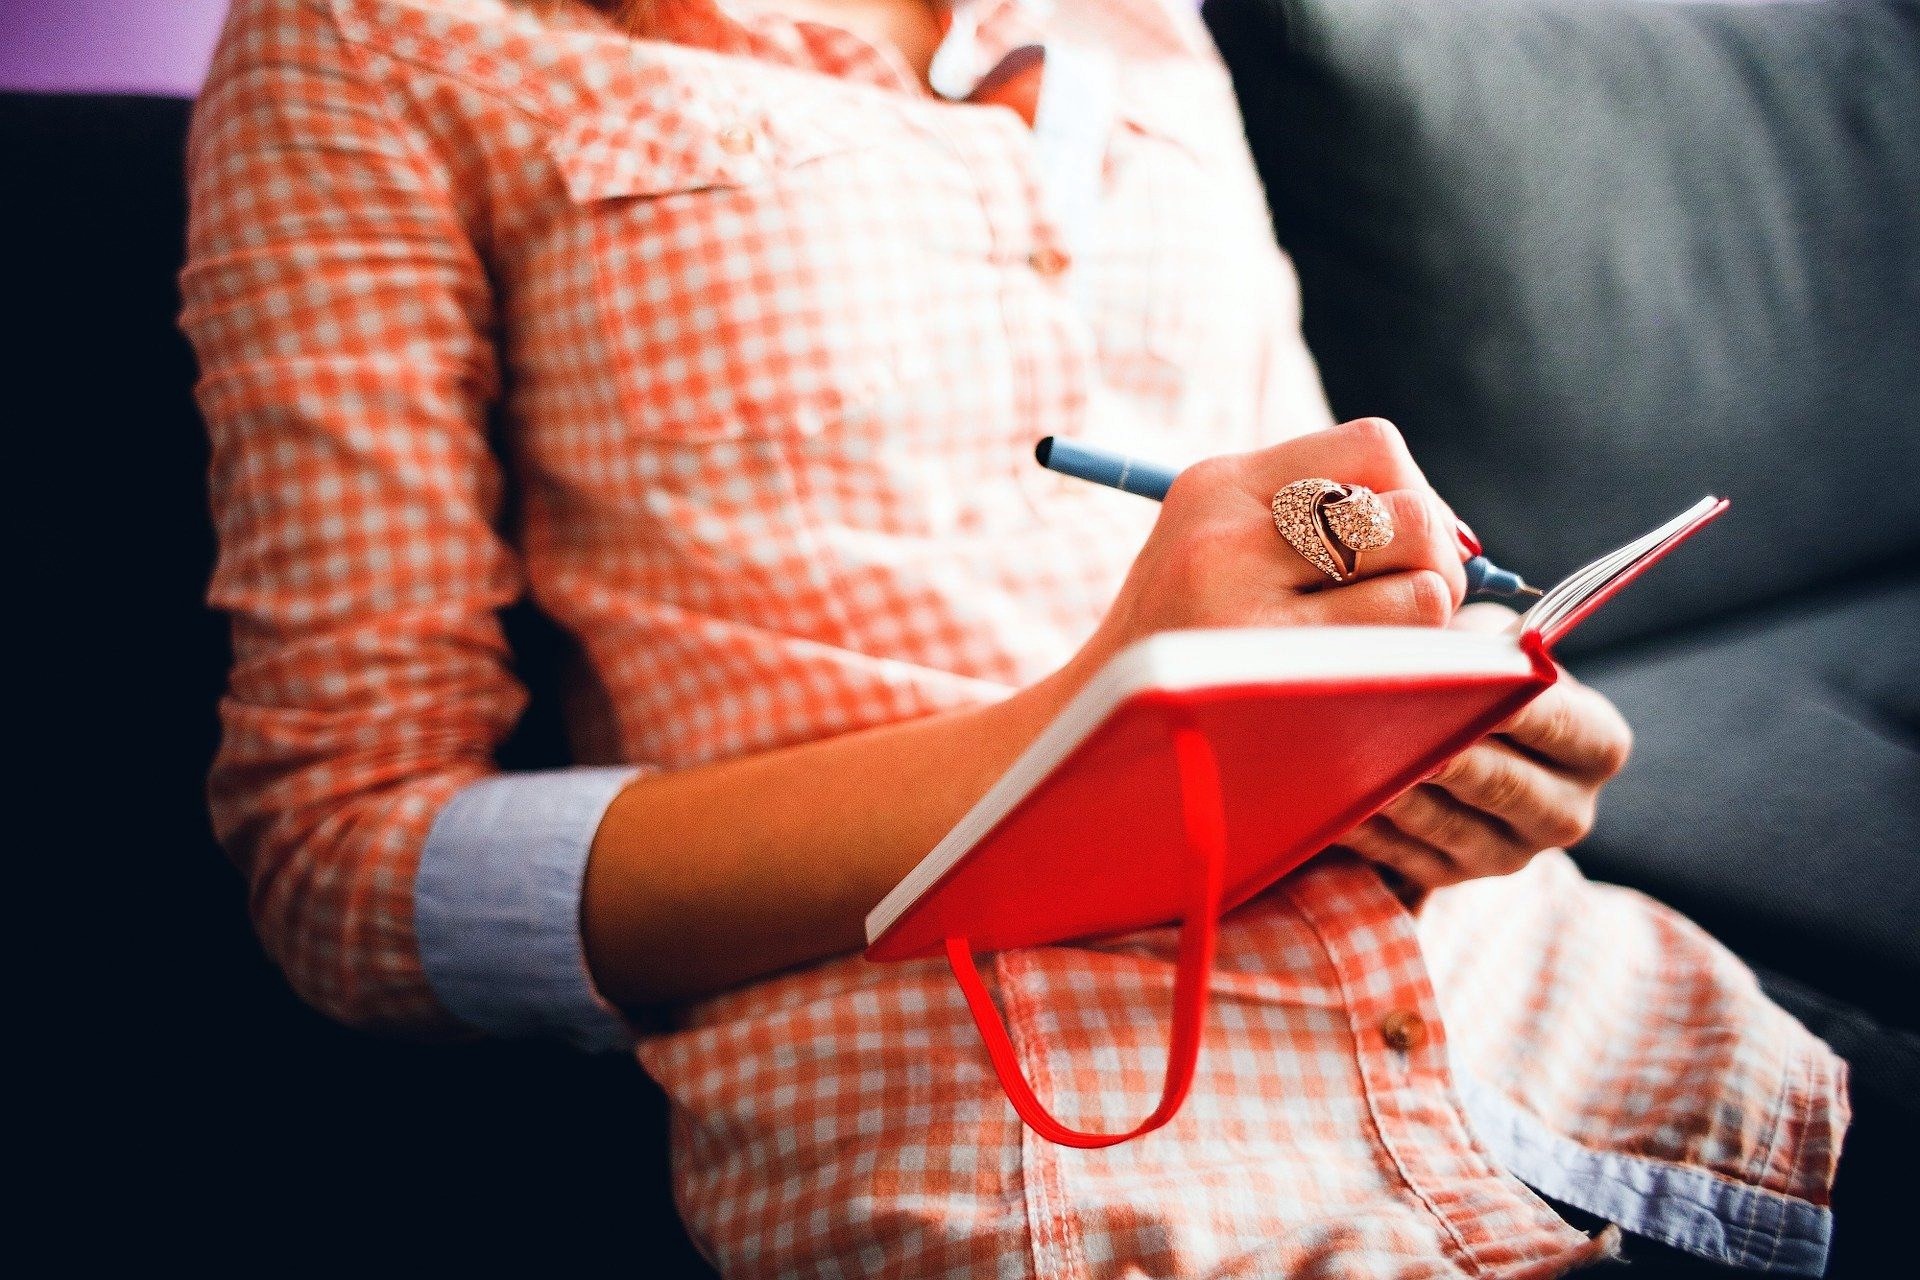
1048	262
736	140
1403	1029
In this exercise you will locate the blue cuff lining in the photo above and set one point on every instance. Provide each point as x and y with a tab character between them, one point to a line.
497	905
1690	1209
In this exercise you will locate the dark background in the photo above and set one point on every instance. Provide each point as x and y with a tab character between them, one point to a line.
189	1105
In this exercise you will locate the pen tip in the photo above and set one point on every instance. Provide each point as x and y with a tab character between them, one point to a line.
1525	590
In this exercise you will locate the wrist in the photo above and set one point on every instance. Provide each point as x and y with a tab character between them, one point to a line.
1024	715
1080	669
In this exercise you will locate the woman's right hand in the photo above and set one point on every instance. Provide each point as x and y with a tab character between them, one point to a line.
1214	558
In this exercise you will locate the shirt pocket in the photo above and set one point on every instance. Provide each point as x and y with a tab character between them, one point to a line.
1194	256
814	274
743	292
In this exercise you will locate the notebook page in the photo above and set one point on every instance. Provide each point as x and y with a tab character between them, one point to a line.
1566	596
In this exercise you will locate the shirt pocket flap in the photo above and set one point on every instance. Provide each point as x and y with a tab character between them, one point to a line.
688	145
1185	106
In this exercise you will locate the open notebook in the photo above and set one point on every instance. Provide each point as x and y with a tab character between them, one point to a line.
1198	767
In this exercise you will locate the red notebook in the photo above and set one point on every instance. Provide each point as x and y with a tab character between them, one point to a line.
1198	767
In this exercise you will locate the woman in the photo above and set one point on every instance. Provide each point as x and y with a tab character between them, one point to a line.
768	303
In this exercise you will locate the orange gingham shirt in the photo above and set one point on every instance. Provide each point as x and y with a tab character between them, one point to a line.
768	334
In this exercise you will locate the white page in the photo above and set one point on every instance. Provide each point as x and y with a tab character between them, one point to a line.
1566	596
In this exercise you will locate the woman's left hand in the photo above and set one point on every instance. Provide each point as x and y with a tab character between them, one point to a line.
1533	784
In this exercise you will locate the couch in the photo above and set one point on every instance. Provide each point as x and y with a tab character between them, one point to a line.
1469	191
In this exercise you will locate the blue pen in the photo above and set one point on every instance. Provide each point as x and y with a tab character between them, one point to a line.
1152	480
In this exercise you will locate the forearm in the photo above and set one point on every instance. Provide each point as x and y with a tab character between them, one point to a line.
703	878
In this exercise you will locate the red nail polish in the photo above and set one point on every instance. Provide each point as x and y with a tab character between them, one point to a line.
1469	540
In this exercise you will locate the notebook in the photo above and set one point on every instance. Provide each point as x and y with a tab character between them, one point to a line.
1198	767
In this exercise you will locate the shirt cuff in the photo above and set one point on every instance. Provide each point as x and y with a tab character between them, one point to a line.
496	905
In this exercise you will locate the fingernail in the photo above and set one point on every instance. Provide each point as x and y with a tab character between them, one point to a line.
1469	540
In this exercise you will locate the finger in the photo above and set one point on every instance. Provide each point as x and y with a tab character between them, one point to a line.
1423	538
1418	598
1542	807
1368	451
1380	841
1573	728
1478	843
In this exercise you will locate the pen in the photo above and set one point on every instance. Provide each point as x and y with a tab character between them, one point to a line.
1152	479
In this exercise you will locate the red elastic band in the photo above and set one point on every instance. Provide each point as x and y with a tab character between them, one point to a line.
1205	823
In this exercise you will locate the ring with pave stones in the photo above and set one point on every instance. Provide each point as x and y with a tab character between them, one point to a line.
1330	524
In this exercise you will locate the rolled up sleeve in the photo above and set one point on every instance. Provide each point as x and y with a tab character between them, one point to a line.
497	905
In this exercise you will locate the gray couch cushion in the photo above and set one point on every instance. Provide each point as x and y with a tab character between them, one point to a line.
1598	257
1774	789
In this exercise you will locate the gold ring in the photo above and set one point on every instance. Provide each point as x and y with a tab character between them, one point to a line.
1330	524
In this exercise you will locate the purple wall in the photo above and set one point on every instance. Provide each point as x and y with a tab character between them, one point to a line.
107	46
